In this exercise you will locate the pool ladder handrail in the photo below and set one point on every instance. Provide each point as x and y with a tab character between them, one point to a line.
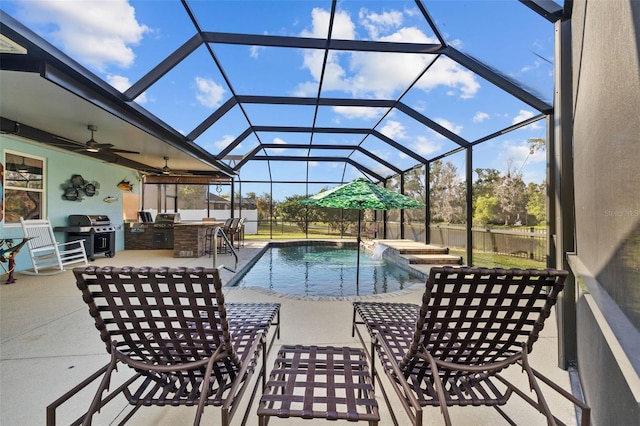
216	231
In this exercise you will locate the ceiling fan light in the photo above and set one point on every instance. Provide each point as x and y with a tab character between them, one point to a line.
22	168
92	145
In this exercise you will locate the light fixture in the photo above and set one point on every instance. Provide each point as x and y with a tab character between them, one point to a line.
22	168
91	145
166	170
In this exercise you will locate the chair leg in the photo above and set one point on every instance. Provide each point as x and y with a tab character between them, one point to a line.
204	391
96	404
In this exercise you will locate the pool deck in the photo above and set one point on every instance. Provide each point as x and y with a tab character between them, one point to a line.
48	344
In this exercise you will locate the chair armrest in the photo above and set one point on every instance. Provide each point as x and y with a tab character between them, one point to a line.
409	393
81	242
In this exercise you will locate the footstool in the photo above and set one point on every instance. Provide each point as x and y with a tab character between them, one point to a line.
312	382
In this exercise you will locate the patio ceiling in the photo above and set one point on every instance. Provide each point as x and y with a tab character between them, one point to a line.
259	122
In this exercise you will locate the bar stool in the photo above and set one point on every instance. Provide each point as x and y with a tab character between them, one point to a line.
226	229
208	240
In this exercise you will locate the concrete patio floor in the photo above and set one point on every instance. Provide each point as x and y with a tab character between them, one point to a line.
48	344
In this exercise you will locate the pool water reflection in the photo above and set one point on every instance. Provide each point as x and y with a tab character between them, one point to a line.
325	270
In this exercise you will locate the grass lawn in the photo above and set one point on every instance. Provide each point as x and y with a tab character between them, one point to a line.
490	260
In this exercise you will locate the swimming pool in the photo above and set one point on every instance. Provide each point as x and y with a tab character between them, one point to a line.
325	270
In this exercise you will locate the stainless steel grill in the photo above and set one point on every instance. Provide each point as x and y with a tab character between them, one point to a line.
166	220
97	231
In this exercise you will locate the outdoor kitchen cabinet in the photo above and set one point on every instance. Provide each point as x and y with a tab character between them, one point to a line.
162	238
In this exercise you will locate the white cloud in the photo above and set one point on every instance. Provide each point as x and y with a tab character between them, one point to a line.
343	27
279	142
446	72
518	153
122	83
524	115
224	142
449	125
254	51
209	92
394	130
480	117
96	33
351	112
375	22
378	74
424	146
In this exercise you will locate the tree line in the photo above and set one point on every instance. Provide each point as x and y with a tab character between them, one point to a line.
499	198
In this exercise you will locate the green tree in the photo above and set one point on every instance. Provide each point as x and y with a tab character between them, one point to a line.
487	208
486	183
447	197
192	196
414	187
263	204
338	220
512	195
293	211
537	202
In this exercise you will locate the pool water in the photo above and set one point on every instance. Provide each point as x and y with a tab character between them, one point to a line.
325	270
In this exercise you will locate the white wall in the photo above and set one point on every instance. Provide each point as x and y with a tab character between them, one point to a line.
250	224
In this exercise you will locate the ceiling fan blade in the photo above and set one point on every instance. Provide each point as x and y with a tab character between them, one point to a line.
123	151
67	140
82	147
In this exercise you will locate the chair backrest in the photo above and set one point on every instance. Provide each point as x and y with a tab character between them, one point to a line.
40	231
158	315
227	225
238	225
474	316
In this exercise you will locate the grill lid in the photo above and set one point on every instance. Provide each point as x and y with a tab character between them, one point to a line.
89	220
168	218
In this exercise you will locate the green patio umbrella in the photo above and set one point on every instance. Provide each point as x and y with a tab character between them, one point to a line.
361	194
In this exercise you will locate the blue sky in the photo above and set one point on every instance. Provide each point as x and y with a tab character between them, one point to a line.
122	40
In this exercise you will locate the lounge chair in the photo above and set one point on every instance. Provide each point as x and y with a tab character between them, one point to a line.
174	329
472	324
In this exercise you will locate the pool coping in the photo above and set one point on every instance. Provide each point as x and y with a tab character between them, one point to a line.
289	243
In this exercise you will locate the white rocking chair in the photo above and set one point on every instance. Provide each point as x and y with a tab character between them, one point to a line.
46	252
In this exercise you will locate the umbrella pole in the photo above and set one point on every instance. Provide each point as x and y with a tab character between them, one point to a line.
358	256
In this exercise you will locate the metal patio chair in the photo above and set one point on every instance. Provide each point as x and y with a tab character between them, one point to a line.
236	232
48	255
472	324
172	327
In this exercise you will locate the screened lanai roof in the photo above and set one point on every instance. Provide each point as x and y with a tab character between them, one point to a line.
296	91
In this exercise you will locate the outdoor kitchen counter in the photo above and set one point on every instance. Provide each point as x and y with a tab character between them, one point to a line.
187	239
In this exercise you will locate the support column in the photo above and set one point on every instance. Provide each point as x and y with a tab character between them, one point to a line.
564	195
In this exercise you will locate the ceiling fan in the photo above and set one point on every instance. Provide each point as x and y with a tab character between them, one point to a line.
166	170
93	146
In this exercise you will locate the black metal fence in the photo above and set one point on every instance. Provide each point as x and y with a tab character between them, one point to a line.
528	243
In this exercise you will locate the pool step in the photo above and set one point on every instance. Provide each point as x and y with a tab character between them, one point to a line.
422	249
432	259
413	253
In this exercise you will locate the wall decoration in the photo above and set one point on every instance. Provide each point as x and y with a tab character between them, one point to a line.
125	185
110	199
76	188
